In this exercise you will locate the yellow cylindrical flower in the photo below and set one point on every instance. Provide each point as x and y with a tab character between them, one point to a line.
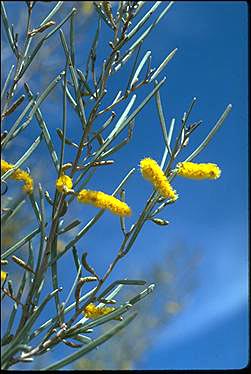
3	275
5	166
64	183
198	171
93	311
151	171
19	175
103	201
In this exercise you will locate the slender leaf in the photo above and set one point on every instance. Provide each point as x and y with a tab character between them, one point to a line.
89	347
19	244
52	13
7	81
25	156
45	131
163	64
162	122
209	137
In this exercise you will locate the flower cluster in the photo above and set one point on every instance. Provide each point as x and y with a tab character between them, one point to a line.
19	175
151	171
64	183
198	171
93	311
103	201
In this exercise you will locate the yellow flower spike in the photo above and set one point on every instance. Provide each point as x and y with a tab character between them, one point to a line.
3	275
151	171
5	166
198	171
19	175
64	183
103	201
93	311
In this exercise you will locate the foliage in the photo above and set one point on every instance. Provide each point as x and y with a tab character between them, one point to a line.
85	91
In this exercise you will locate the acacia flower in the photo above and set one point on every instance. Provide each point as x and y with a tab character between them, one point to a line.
103	201
19	175
151	171
5	166
64	183
3	275
198	171
93	311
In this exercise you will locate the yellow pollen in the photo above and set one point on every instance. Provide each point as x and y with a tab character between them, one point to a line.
151	171
198	171
19	175
64	183
93	311
103	201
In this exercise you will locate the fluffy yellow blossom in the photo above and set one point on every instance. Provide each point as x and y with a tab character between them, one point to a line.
64	183
19	175
103	201
93	311
3	275
198	171
5	166
151	171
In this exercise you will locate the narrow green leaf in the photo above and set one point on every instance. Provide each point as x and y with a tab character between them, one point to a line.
70	98
21	336
65	140
205	142
67	310
8	29
89	347
13	211
114	149
94	46
84	81
25	156
142	294
131	282
102	15
72	39
140	67
73	285
46	92
131	49
163	64
19	244
35	207
7	81
52	13
14	131
15	306
69	227
80	105
63	125
45	130
162	121
39	45
143	20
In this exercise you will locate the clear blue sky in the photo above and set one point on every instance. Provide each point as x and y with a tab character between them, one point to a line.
211	64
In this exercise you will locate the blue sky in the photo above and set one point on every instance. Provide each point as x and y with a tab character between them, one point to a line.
211	65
